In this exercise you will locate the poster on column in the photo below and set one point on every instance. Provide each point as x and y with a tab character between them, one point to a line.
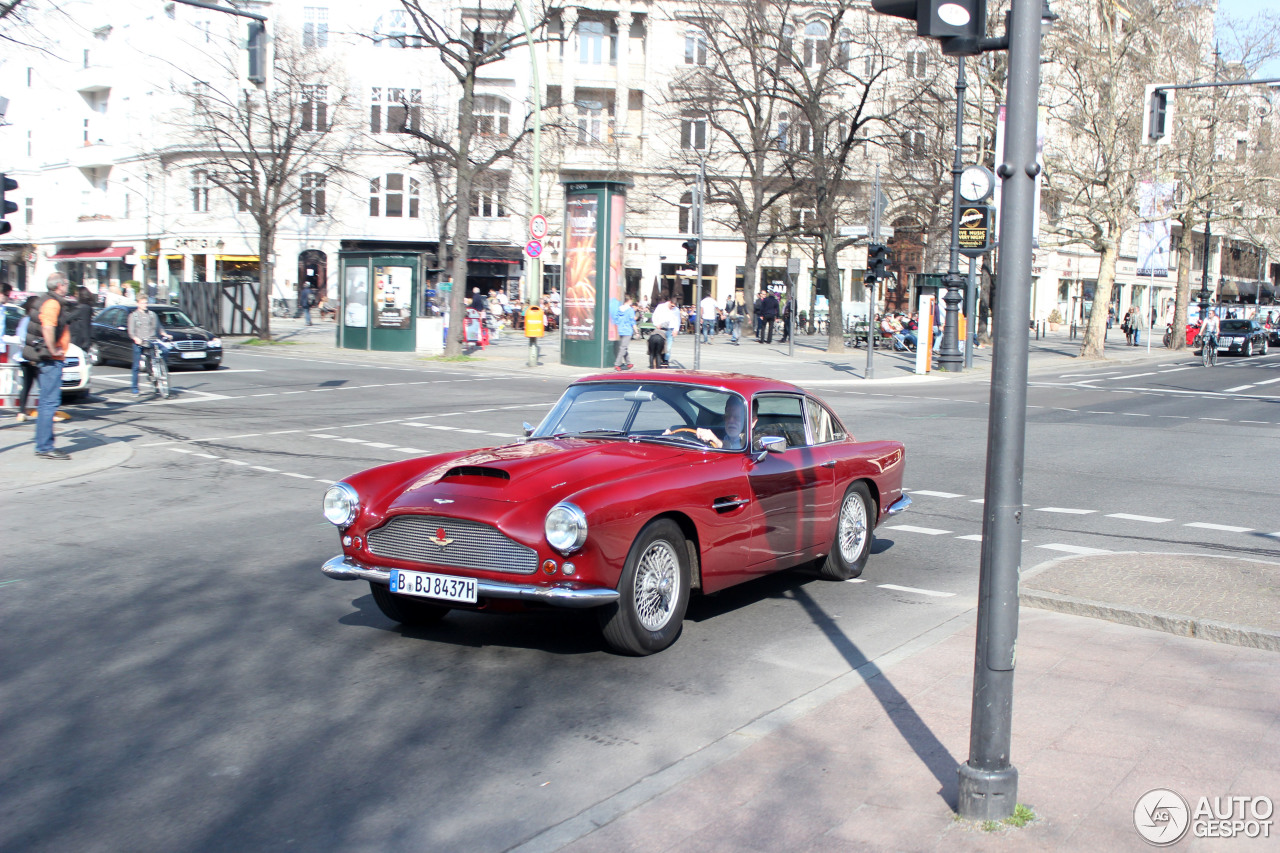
617	234
393	297
1155	200
997	196
580	266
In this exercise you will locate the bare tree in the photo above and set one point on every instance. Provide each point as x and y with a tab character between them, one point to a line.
466	43
274	148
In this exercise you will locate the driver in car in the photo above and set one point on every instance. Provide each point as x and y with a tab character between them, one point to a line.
733	436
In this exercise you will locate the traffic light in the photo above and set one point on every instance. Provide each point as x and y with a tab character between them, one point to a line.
6	207
878	256
257	52
691	252
1155	123
959	24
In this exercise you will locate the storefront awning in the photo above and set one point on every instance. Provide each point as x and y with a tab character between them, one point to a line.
241	259
114	253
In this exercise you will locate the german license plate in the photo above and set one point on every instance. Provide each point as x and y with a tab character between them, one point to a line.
194	354
428	585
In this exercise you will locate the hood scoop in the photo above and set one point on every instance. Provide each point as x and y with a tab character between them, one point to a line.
475	471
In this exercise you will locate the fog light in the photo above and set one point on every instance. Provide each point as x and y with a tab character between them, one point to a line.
346	540
549	566
570	568
357	543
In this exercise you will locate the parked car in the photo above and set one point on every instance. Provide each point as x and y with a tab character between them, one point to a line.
191	345
1269	319
1241	337
76	370
1193	329
621	501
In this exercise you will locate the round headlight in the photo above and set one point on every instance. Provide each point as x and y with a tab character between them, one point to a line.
341	504
566	528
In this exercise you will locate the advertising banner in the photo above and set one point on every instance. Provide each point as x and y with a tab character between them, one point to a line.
1155	200
580	266
617	234
357	296
393	297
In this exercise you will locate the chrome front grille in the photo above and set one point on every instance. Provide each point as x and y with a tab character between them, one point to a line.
189	345
470	545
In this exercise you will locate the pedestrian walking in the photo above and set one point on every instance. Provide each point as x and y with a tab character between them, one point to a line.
142	326
624	318
306	300
14	344
666	319
733	316
768	313
46	345
709	311
757	316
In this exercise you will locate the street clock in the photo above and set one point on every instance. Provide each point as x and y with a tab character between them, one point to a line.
976	183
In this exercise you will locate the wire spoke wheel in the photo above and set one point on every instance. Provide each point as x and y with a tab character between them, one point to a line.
653	592
657	585
853	532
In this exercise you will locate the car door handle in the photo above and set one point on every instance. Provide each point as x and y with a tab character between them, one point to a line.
726	504
830	463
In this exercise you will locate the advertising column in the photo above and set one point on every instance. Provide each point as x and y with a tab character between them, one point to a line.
595	223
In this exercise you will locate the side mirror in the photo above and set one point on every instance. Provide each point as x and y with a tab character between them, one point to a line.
528	429
770	444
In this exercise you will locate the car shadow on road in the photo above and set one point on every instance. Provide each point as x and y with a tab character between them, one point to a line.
914	730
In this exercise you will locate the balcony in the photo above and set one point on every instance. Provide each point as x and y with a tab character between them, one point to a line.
95	155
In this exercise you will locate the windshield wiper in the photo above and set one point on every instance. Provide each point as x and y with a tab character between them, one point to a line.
586	433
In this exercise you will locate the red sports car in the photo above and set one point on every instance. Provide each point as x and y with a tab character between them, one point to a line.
632	494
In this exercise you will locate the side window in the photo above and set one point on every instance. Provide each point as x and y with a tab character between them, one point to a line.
111	317
823	426
779	415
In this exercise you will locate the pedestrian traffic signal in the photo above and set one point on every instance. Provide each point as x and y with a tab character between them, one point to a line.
1155	125
691	252
6	207
878	256
959	24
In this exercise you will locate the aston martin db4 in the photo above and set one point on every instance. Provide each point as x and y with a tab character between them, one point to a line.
632	495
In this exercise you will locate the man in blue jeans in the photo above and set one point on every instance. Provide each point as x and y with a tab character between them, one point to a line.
143	325
47	338
624	318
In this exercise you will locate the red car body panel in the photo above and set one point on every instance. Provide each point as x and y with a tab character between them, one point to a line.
792	498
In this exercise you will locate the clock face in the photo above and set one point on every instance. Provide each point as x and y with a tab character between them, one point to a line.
975	183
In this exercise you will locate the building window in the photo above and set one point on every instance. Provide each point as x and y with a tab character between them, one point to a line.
313	194
29	210
243	194
315	27
597	43
917	64
786	45
688	215
394	29
695	47
844	50
489	197
595	116
394	110
315	109
815	44
914	145
200	191
387	196
493	115
693	131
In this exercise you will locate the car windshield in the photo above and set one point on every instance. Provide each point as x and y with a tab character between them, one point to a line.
1236	325
172	318
658	411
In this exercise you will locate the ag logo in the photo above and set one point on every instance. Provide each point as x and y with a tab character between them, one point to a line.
441	539
1161	817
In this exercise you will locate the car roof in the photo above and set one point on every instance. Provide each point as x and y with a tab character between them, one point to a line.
739	383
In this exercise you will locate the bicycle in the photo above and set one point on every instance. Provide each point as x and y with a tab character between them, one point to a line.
1208	351
158	369
281	308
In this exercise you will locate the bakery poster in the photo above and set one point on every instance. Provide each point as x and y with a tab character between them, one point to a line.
580	266
393	297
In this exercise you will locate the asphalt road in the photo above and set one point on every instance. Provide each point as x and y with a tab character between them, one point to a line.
178	676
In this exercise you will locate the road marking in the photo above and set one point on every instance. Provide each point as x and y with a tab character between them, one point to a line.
181	450
265	468
234	462
1204	525
1223	420
295	392
1100	413
441	426
1073	549
1275	535
299	476
1238	388
934	494
1264	423
322	435
378	444
916	590
1177	369
206	455
971	537
1127	517
475	431
909	528
1066	510
504	434
284	431
856	580
1176	417
1268	382
977	500
272	394
1136	375
408	450
353	440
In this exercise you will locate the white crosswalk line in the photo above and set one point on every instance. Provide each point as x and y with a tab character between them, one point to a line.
1128	517
1065	510
917	590
910	528
933	494
971	537
1204	525
1073	549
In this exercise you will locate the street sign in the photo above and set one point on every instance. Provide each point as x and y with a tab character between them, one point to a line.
686	273
538	228
976	228
533	248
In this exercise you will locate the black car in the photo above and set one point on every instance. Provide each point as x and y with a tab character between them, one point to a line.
191	345
1242	337
1270	321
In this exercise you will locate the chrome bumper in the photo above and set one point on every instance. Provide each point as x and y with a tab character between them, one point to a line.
342	568
901	504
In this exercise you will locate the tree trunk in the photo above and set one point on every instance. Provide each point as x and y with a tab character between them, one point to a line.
1094	343
835	295
461	248
1182	296
266	244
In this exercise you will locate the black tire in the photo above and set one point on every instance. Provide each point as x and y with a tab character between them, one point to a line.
406	609
653	592
1248	348
1263	351
851	545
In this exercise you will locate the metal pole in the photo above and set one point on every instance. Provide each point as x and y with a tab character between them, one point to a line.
700	190
871	288
970	313
949	357
988	781
534	285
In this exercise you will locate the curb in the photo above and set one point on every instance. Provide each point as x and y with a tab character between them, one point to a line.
91	454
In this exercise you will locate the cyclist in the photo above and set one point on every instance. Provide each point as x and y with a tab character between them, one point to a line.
1209	332
143	327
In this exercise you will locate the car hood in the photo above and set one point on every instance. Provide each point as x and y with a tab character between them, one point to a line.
537	469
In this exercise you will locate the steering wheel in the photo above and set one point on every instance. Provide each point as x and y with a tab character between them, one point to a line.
685	429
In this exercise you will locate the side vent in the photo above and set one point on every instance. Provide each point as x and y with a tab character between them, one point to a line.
476	471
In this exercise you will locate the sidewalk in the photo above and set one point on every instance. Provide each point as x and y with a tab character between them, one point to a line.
90	451
1103	713
811	364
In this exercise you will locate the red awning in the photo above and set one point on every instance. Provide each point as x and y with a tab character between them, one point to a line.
115	253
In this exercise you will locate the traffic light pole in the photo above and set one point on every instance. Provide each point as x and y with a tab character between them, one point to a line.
988	781
874	282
